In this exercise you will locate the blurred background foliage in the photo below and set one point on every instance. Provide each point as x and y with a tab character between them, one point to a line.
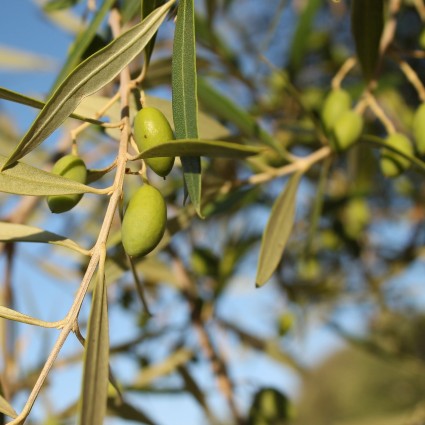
353	265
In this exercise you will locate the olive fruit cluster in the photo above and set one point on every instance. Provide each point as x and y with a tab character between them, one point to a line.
71	167
151	128
391	163
343	125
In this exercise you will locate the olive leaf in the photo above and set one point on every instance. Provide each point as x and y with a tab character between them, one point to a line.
83	41
367	26
38	104
23	179
14	232
148	6
224	108
198	147
87	78
8	313
6	408
93	400
185	102
277	231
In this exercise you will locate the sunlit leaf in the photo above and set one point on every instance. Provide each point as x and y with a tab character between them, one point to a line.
198	147
17	60
6	408
22	179
14	232
82	41
29	101
155	371
93	401
277	231
86	79
52	5
185	102
8	313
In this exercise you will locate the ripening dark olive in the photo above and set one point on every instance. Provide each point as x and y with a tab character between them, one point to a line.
151	128
144	221
71	167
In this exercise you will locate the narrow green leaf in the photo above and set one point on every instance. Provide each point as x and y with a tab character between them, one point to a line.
9	314
92	407
300	39
198	147
90	76
13	232
277	231
185	102
225	108
6	408
148	375
147	7
367	26
22	179
126	411
34	103
53	5
82	41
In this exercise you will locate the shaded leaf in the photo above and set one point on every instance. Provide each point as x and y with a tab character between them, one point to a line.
22	179
29	101
86	79
185	101
148	6
6	408
198	147
126	411
367	26
13	232
278	229
225	108
92	407
301	36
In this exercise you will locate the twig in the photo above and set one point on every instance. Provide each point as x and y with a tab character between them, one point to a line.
379	113
72	315
346	67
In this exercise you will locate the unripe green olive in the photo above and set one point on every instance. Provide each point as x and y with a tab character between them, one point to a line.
346	131
144	221
71	167
391	163
151	128
419	129
269	406
336	103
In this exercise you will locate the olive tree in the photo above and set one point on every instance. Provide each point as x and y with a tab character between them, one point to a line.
186	149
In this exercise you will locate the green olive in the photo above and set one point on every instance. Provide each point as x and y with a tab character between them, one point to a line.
346	131
144	221
71	167
336	103
391	163
268	407
151	128
419	129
